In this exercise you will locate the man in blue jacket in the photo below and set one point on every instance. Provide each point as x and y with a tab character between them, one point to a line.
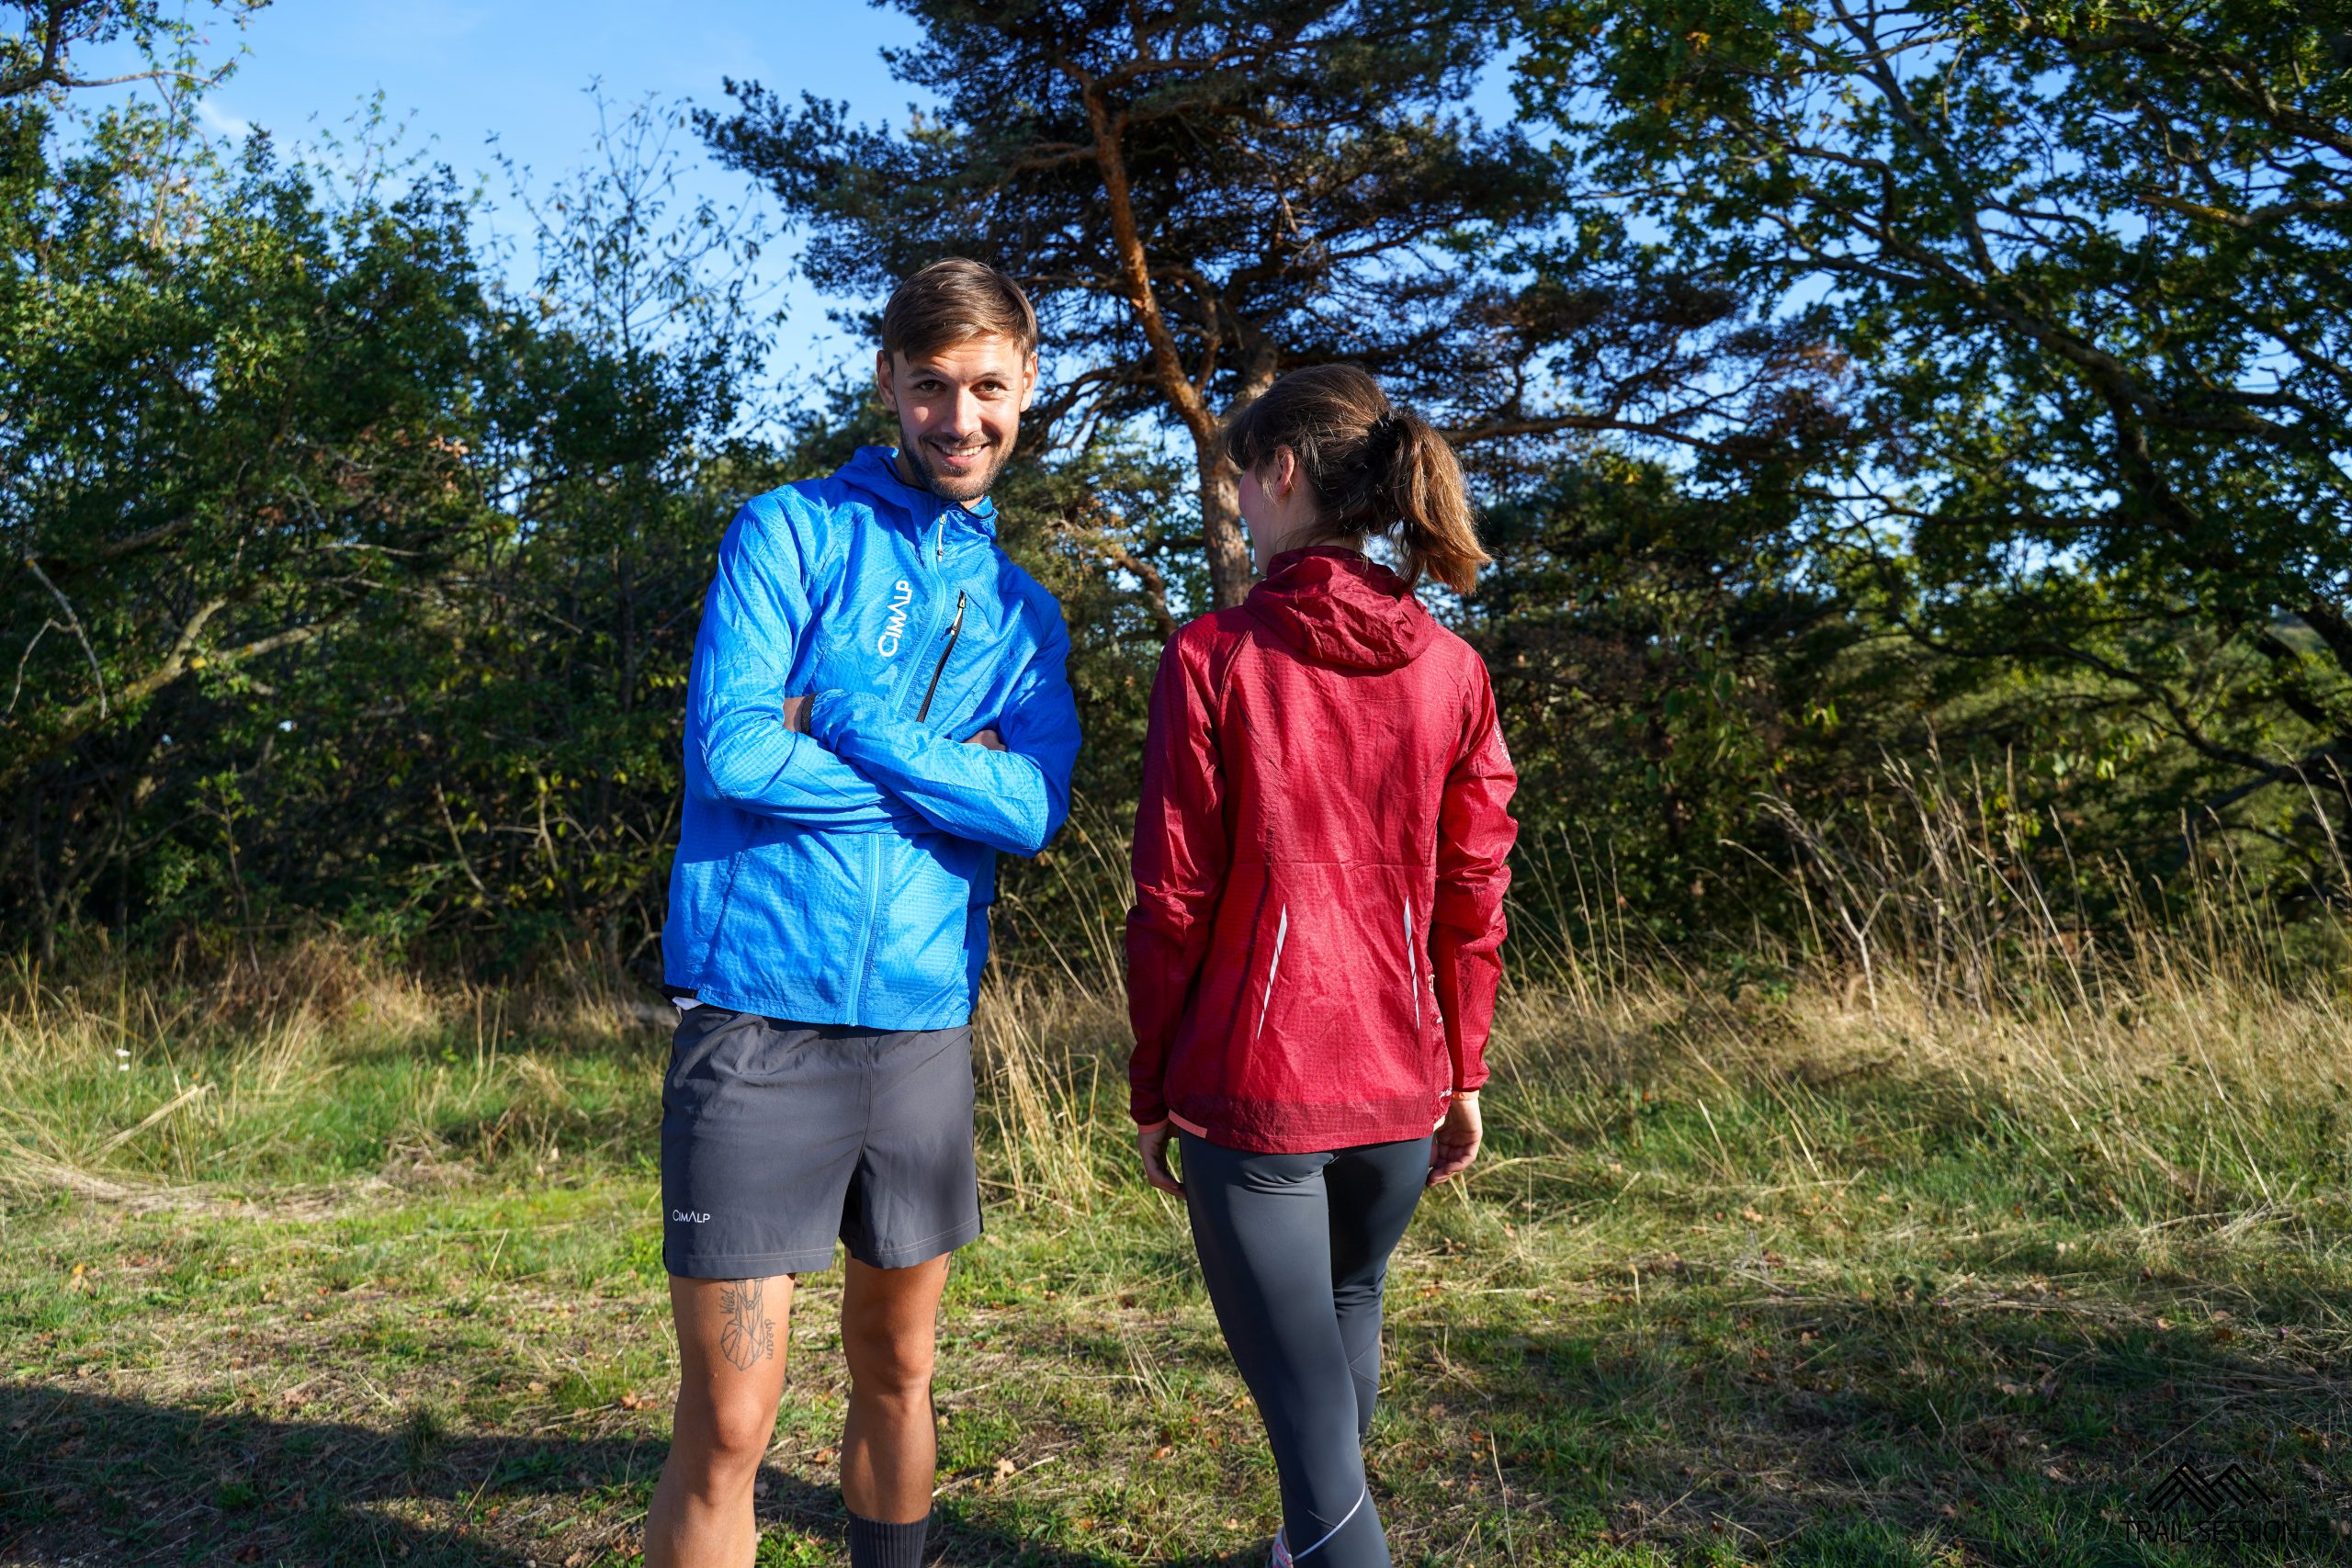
877	707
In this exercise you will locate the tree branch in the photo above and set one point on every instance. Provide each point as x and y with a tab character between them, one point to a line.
74	621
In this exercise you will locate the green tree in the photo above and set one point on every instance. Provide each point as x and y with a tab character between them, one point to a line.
39	55
2088	263
230	418
614	389
343	582
1200	193
1665	655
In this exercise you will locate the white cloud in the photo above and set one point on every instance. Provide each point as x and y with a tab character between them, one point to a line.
220	123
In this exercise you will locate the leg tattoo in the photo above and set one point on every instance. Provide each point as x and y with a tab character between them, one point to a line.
749	1334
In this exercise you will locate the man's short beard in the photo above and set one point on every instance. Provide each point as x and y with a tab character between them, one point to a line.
970	487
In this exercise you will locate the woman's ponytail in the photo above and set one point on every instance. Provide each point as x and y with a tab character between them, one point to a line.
1372	466
1432	506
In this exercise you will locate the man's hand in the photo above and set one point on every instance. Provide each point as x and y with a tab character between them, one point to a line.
796	719
1151	1143
1457	1139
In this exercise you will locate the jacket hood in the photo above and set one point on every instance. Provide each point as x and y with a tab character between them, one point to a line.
875	471
1341	608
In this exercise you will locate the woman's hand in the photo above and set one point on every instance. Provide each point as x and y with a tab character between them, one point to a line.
987	739
1151	1143
1455	1143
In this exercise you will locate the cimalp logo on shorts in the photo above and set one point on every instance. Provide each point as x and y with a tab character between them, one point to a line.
684	1217
902	593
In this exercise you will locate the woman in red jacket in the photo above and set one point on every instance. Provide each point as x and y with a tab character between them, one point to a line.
1320	863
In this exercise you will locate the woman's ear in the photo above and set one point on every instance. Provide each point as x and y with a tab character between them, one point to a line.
1283	470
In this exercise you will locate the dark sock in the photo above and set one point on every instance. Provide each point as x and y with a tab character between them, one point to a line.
873	1544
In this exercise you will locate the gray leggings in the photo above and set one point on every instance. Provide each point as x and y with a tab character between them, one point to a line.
1295	1251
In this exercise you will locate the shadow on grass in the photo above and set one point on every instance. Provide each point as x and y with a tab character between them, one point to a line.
1866	1435
91	1478
1892	1432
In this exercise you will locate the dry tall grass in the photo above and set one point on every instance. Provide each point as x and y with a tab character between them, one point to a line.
2166	1052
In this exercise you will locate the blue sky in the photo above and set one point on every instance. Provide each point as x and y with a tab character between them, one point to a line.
458	70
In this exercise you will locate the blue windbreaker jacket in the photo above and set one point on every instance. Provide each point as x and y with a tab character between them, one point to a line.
843	876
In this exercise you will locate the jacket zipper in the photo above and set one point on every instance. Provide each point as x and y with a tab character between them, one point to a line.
872	841
955	629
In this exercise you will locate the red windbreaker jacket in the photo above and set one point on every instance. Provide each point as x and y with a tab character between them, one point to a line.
1320	859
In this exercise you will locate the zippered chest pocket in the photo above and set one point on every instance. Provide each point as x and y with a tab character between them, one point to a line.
965	676
947	651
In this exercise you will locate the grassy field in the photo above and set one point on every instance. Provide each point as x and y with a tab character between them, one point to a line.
324	1265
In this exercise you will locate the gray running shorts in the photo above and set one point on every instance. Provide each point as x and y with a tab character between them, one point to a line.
778	1138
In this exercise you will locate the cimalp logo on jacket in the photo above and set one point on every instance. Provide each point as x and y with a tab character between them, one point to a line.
902	593
682	1217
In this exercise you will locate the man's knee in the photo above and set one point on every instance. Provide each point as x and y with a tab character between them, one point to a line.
891	1363
731	1434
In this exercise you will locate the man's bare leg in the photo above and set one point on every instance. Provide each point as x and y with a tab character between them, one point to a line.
731	1337
889	1329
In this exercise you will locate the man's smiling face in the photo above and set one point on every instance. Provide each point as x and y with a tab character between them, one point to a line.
960	408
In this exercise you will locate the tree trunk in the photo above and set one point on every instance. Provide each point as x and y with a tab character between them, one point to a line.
1230	573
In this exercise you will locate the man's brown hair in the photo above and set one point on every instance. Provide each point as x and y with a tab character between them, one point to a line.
951	301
